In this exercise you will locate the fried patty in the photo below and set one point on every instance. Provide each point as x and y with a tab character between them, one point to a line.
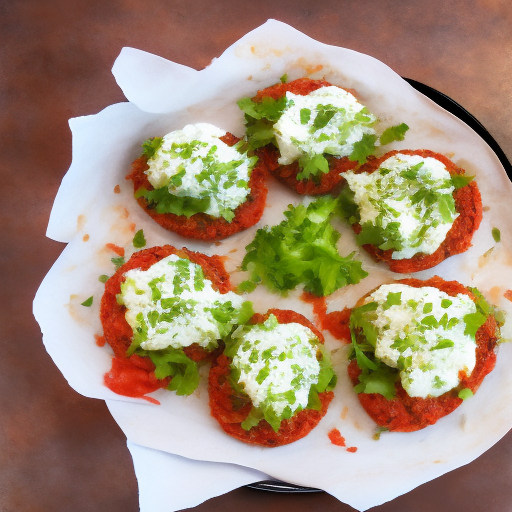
230	409
287	174
468	204
202	226
407	414
118	333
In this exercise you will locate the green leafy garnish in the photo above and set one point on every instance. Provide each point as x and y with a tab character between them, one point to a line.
138	240
460	180
260	118
311	166
301	250
496	234
118	262
363	148
88	302
103	278
165	202
171	362
284	78
393	133
465	393
151	146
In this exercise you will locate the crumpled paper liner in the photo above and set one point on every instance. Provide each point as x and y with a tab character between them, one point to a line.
95	206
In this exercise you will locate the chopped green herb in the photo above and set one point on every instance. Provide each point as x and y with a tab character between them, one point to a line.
305	115
103	278
151	146
284	78
393	133
378	432
138	240
88	302
118	262
363	148
496	234
460	180
465	393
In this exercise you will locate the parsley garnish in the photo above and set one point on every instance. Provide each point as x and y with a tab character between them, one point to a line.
301	250
138	240
496	234
363	148
103	278
88	302
465	393
393	133
460	180
118	262
151	146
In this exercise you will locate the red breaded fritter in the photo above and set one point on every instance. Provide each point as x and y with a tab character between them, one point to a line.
231	409
118	333
468	204
287	174
201	226
407	414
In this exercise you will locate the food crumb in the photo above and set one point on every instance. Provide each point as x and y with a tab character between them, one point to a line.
86	238
344	412
132	227
336	437
352	449
115	248
486	208
80	222
117	189
508	295
100	340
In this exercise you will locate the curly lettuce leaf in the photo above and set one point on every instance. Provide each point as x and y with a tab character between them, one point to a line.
301	250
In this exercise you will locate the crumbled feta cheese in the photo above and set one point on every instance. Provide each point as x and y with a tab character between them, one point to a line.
421	332
410	198
328	120
278	365
194	162
171	304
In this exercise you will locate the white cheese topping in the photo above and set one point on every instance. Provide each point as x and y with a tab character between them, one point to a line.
421	332
278	365
328	120
194	162
410	198
171	304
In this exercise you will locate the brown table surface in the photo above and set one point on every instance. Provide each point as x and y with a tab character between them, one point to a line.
62	452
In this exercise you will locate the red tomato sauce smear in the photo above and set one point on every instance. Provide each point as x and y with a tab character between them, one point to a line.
287	174
336	322
230	409
201	226
134	376
468	204
407	414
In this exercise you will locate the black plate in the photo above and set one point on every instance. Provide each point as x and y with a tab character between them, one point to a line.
457	110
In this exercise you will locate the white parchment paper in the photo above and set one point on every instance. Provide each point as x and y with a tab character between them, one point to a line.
95	206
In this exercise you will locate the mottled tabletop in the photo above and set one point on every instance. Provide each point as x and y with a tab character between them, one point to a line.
60	451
